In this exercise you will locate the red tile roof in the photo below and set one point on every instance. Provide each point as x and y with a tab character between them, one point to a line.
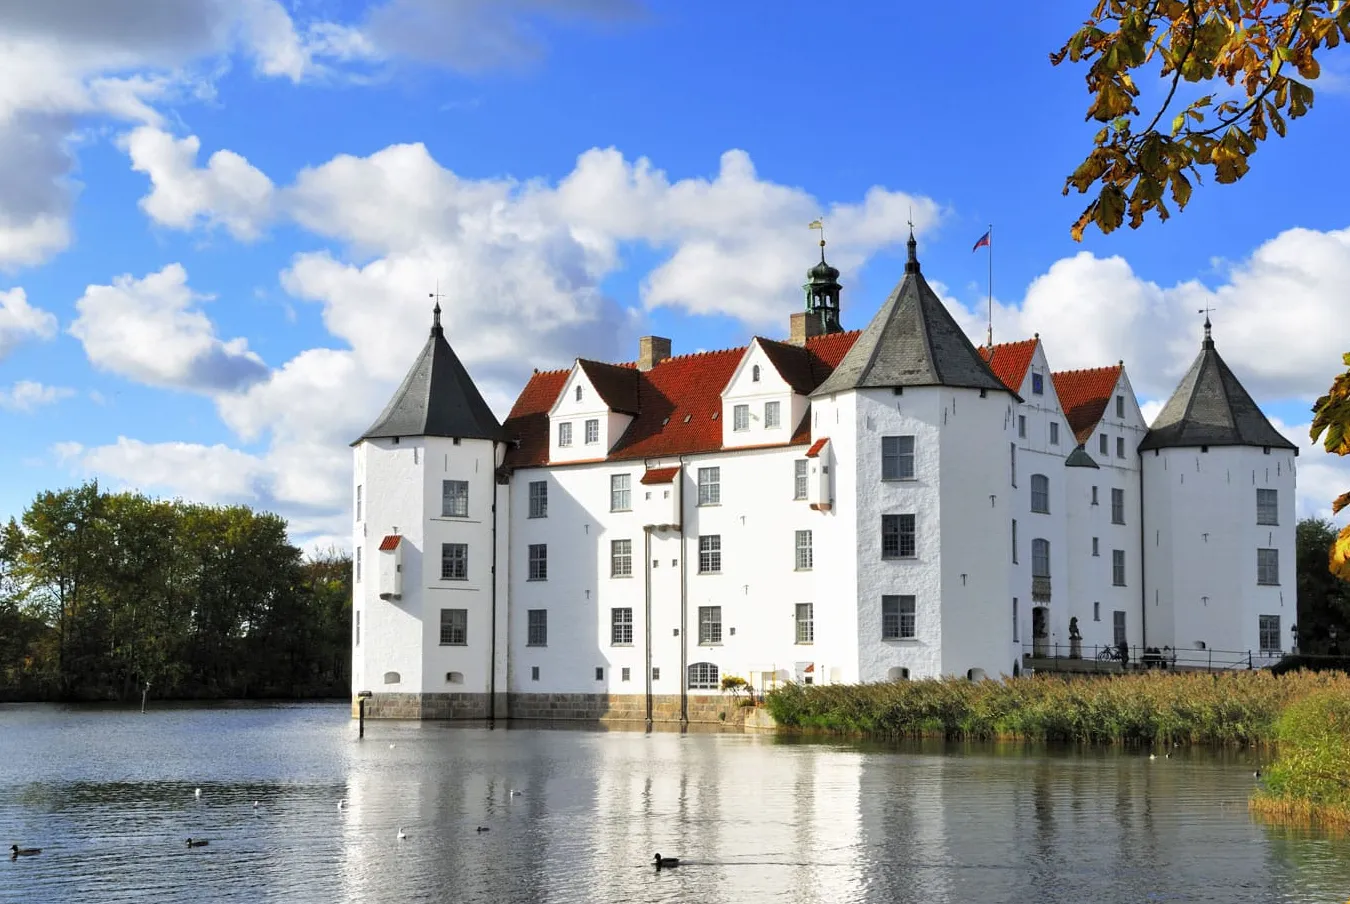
679	402
1009	361
1083	395
817	446
617	384
390	542
659	475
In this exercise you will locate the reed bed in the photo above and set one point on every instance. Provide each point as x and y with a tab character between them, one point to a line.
1309	781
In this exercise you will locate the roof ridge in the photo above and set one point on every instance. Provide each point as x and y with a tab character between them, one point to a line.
1089	370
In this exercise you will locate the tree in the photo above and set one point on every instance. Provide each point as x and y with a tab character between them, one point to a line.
1265	49
1331	416
1323	598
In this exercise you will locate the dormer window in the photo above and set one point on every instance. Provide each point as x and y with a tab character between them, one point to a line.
565	433
754	374
578	392
771	415
740	418
1037	383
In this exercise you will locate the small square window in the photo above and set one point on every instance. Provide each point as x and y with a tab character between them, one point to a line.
656	673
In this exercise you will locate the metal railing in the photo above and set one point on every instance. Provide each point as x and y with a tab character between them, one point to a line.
1136	658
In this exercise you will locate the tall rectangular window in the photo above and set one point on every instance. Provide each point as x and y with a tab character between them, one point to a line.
1012	462
799	472
454	499
1040	558
565	433
621	626
1120	447
709	624
592	431
538	628
709	486
1102	444
897	458
771	414
454	561
620	492
740	418
358	502
454	627
1040	493
539	561
357	559
1094	495
710	554
1268	507
806	623
1017	624
1120	406
1014	541
1118	568
1118	627
898	540
1117	506
1037	383
1269	627
1096	611
358	628
1096	546
804	557
620	558
897	617
538	498
1022	426
1054	433
1268	566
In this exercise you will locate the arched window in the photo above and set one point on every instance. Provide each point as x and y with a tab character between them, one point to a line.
1040	558
1040	493
454	677
703	676
392	678
754	374
898	673
578	392
974	674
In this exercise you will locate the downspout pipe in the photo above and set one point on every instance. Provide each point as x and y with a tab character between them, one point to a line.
647	617
492	642
1143	572
684	603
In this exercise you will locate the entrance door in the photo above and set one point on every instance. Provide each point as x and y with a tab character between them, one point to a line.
1040	631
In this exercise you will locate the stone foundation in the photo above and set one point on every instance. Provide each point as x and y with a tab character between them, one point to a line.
705	709
424	706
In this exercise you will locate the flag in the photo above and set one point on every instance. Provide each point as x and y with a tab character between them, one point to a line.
982	243
815	224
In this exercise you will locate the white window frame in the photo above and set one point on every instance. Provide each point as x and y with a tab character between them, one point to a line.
1268	633
740	418
1040	558
703	676
801	471
454	624
1104	444
538	559
805	558
772	415
1268	567
454	561
592	431
454	499
710	486
902	526
1040	494
565	433
709	625
1054	433
621	558
1267	507
898	458
620	492
621	626
358	502
538	498
710	554
805	623
899	617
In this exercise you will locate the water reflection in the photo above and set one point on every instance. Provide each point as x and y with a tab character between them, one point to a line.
109	797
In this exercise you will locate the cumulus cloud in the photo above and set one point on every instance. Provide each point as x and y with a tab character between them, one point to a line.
211	474
148	330
28	395
1321	476
20	321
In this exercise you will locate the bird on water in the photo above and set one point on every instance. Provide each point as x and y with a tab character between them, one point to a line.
197	793
401	834
665	862
15	852
200	842
484	829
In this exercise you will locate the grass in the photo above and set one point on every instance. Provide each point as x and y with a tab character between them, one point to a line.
1309	781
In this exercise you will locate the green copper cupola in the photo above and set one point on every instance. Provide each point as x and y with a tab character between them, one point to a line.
822	293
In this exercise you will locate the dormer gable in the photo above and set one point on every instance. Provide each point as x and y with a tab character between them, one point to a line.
596	404
760	406
1023	367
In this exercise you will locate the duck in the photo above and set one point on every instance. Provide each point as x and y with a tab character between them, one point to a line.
665	862
197	793
1152	756
16	851
342	804
200	842
484	829
1256	774
515	793
401	834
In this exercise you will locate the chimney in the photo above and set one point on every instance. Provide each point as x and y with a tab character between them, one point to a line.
804	325
652	350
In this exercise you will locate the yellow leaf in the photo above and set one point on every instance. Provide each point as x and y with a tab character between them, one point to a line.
1341	502
1339	558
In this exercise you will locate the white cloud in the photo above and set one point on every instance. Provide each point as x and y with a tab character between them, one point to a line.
211	474
20	321
148	330
1321	476
27	395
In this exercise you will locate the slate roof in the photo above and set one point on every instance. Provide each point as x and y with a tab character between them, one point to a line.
436	398
1210	408
1084	395
1079	458
1010	361
912	341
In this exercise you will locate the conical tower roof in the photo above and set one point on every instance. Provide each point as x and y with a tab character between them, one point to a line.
912	341
437	398
1210	408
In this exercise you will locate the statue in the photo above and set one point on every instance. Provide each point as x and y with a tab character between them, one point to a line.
1075	639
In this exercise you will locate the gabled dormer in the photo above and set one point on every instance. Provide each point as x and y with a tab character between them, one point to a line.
761	405
1023	368
596	405
1104	413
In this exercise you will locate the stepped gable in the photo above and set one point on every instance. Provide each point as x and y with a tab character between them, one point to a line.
1084	395
679	401
1010	361
436	398
912	341
1211	408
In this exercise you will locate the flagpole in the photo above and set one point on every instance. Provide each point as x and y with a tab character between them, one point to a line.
991	285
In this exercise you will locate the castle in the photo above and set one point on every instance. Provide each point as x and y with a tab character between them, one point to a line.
877	505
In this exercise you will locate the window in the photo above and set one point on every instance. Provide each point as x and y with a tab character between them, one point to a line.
1094	495
534	669
1102	444
703	676
358	627
1096	546
538	498
656	673
539	561
710	554
1120	406
806	623
804	558
1022	426
799	472
1037	383
1014	541
897	458
1118	627
1096	611
592	431
1012	456
620	558
565	433
454	561
1040	558
1118	568
898	537
1016	623
740	418
620	492
1270	633
578	392
1120	447
358	503
358	564
1117	506
1267	507
754	374
709	624
1268	566
709	486
897	617
1054	433
538	628
599	673
454	499
625	673
1040	493
621	626
771	414
454	627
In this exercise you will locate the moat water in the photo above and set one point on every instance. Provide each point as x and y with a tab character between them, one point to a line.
109	795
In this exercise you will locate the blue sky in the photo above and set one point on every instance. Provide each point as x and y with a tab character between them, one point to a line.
220	221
